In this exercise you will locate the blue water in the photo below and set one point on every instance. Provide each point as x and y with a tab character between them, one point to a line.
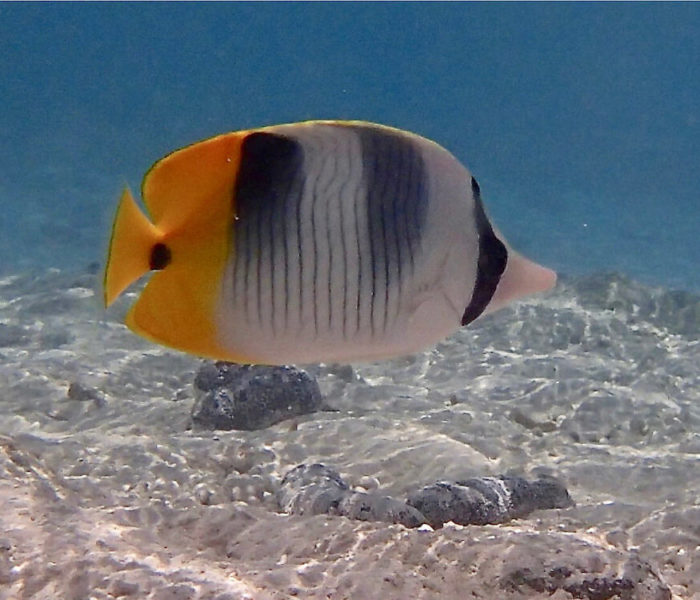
581	121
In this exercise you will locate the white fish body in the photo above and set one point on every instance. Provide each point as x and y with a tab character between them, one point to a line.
327	242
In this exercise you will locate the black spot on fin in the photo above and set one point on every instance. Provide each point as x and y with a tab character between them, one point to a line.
493	257
160	257
269	162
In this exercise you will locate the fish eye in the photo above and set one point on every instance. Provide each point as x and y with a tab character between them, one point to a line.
160	257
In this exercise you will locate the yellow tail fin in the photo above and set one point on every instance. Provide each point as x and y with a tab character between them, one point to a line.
133	238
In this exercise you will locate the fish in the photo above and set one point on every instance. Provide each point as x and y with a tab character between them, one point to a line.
318	241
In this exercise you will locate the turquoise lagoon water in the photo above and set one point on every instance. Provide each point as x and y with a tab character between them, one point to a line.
581	121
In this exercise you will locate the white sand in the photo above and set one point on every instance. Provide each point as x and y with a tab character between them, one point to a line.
109	493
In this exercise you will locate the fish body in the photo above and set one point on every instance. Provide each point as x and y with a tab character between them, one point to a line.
323	241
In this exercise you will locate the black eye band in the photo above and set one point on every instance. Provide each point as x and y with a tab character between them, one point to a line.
493	257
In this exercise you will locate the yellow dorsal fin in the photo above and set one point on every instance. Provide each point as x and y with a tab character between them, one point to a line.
133	237
178	186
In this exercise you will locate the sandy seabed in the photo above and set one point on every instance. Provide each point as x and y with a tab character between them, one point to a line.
107	491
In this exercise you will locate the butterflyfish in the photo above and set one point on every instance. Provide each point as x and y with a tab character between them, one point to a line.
322	241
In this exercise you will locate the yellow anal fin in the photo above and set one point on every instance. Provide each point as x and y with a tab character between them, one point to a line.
178	306
130	246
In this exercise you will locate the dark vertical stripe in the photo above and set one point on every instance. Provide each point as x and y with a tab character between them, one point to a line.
414	205
278	229
407	216
360	257
285	243
270	263
302	291
314	234
396	224
329	174
372	185
345	179
244	234
292	230
392	188
249	266
397	198
268	183
258	264
274	212
331	206
344	256
383	258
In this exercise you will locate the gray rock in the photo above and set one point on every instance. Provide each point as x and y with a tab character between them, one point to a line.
318	489
375	507
311	490
541	494
231	396
485	500
637	581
